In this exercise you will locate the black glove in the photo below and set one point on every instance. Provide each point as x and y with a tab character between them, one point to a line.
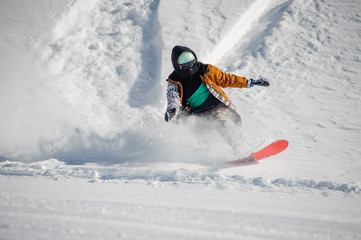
259	82
169	114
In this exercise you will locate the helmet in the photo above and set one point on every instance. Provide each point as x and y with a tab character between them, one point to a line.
186	60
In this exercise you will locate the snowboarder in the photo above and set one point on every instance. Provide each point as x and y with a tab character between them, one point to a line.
194	88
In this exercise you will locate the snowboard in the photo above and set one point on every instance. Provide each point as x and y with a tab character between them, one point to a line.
268	151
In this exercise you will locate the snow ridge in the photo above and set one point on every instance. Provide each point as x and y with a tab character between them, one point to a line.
177	174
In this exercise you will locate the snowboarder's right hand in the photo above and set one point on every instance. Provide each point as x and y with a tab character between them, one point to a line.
169	114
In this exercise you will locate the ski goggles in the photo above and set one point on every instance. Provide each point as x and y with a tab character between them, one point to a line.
188	65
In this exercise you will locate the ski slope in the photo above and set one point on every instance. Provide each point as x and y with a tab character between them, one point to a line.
86	154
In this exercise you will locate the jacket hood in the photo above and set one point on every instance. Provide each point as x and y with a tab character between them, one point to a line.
176	52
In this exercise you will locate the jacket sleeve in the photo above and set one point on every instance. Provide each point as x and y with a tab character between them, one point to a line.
226	80
173	96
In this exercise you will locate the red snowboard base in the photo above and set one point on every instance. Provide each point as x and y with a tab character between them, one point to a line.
268	151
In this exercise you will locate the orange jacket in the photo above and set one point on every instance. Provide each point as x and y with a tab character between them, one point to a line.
214	79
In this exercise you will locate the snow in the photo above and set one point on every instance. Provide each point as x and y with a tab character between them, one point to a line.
39	209
85	152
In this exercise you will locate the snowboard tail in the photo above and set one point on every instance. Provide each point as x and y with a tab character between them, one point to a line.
268	151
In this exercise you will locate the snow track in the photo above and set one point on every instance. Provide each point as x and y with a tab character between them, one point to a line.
116	211
240	29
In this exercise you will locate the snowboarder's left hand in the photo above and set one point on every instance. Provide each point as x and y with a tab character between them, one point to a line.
169	114
259	82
